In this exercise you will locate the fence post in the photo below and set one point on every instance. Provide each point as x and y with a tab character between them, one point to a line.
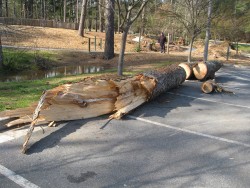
95	43
228	51
89	44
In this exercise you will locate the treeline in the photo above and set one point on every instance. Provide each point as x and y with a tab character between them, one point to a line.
230	17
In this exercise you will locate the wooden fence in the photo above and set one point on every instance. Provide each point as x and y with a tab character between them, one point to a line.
38	22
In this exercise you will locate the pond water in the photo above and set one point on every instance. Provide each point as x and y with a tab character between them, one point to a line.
55	72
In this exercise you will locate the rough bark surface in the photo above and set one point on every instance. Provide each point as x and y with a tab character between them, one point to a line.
206	70
94	97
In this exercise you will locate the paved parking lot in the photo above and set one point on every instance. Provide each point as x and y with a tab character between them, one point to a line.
184	138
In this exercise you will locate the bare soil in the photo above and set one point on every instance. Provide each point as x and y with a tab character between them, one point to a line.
76	47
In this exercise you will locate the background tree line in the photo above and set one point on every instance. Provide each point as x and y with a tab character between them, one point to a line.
229	19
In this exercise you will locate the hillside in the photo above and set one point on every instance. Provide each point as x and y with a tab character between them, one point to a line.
40	37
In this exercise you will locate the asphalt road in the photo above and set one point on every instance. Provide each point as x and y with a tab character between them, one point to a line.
184	138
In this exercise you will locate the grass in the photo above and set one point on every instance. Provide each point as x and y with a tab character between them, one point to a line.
22	94
19	60
244	48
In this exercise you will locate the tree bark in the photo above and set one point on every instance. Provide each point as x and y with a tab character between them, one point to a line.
82	18
1	8
191	49
64	10
1	52
208	31
206	70
109	29
93	97
101	16
122	51
29	9
7	8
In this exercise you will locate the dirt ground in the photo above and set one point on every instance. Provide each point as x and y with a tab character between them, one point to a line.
68	39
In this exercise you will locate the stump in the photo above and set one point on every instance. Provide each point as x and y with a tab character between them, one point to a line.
206	70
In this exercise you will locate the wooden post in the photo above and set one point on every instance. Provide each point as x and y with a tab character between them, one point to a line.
89	44
95	43
168	44
228	51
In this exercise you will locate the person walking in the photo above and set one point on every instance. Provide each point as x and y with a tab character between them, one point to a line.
162	40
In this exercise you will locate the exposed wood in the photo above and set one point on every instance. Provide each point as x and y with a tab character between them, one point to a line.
34	120
211	86
93	97
208	86
206	70
188	67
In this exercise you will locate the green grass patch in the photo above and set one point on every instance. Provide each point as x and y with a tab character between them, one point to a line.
22	94
23	59
244	48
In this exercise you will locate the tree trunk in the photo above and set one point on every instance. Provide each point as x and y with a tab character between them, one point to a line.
190	49
1	8
101	16
14	9
93	97
122	51
109	29
82	18
7	8
77	11
1	53
208	31
204	71
64	10
29	9
143	22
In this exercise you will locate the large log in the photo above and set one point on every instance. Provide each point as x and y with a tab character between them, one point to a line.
188	67
93	97
206	70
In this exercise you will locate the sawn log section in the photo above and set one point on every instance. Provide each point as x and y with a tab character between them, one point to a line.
93	97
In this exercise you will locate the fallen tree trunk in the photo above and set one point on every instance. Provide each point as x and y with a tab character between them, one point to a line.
93	97
206	70
188	67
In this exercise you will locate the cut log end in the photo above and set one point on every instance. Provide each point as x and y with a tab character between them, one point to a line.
200	70
208	87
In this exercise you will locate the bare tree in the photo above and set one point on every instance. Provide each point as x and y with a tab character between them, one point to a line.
130	13
192	15
109	29
208	30
82	18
